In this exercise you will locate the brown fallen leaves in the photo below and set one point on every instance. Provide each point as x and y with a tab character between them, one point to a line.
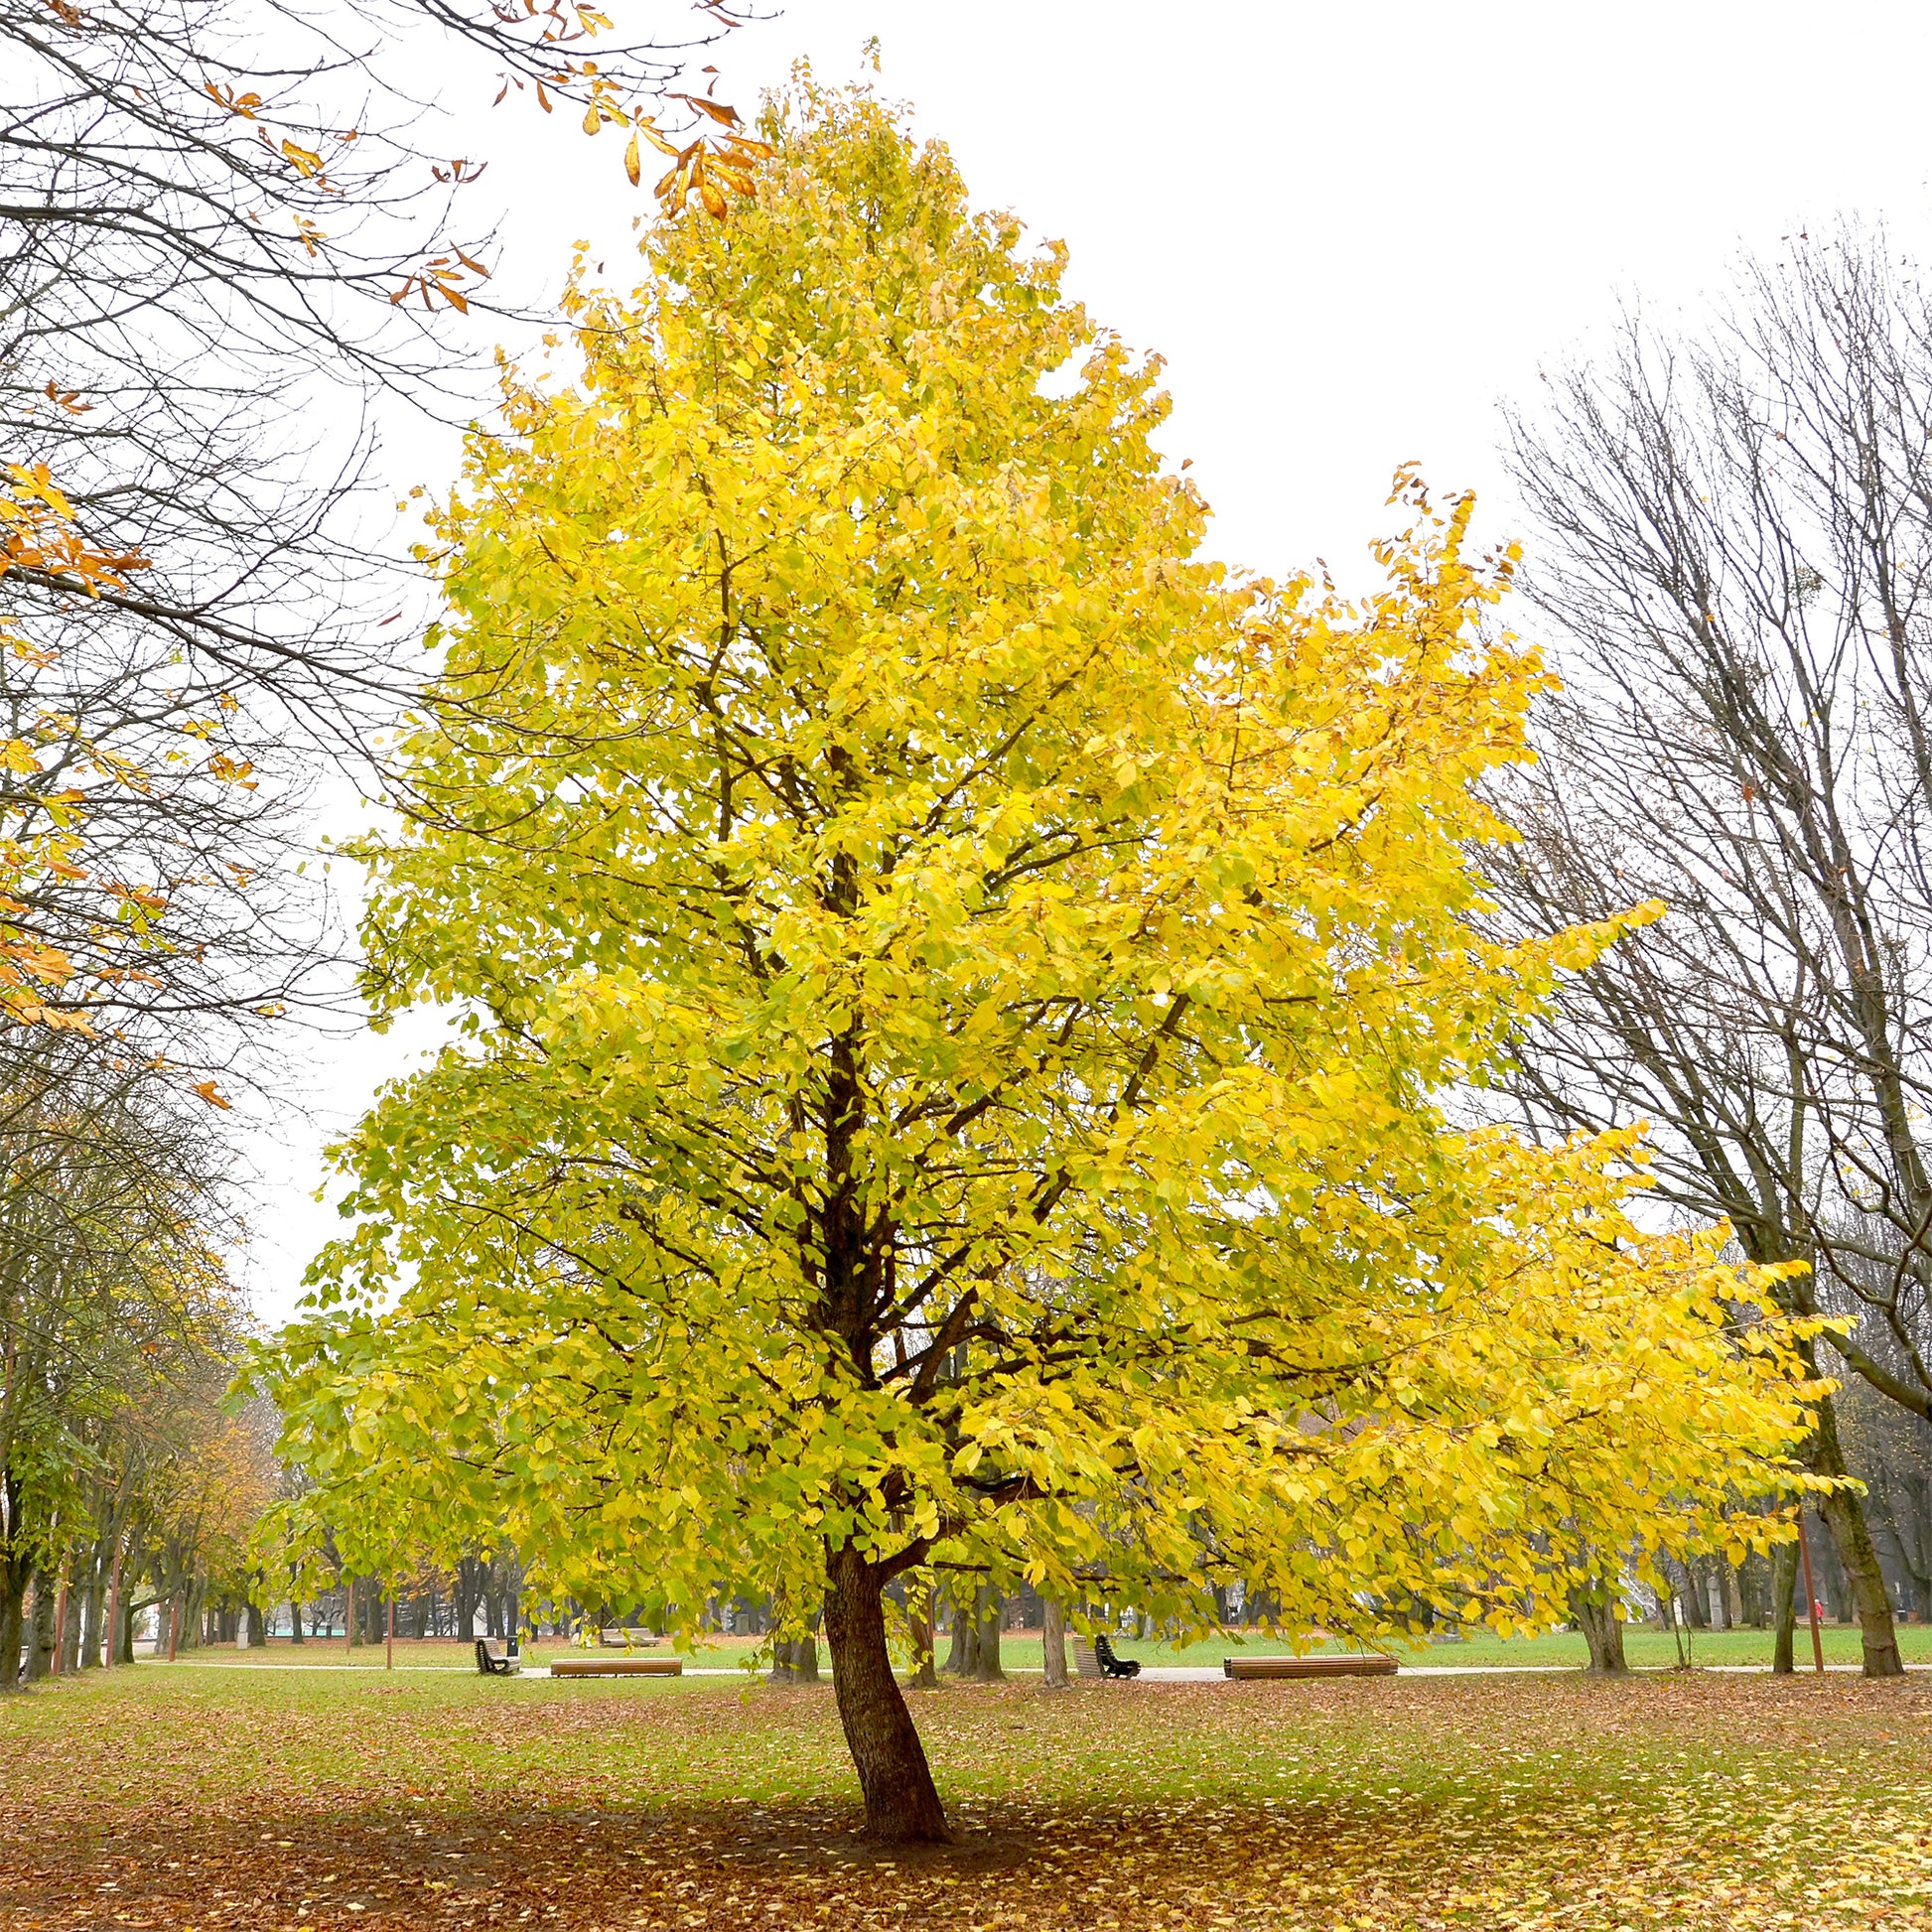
213	1799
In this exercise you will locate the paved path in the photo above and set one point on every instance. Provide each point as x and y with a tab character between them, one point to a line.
1151	1674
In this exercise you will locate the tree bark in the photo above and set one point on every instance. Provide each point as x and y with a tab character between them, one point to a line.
963	1654
1052	1643
1595	1609
924	1677
39	1655
1844	1515
902	1803
11	1593
992	1611
1784	1605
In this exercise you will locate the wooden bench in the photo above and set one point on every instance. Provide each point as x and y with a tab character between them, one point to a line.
618	1667
627	1639
1244	1668
495	1658
1088	1660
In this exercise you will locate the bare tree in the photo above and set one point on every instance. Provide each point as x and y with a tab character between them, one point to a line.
1733	557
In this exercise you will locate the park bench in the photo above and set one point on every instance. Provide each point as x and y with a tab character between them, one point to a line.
495	1658
618	1667
627	1639
1244	1668
1097	1659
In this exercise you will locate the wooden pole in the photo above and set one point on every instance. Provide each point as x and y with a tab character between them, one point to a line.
390	1638
1811	1598
60	1629
174	1626
348	1612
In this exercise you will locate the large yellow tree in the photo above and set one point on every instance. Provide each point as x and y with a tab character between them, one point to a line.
955	993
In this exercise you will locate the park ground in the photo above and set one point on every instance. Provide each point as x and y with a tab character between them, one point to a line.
204	1796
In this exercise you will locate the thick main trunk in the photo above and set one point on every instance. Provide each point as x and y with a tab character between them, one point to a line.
902	1802
1595	1609
11	1595
1844	1514
1052	1641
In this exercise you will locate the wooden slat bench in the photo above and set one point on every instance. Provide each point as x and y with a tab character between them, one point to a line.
627	1639
1256	1667
618	1667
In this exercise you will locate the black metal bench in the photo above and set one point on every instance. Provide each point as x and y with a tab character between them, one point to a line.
1110	1665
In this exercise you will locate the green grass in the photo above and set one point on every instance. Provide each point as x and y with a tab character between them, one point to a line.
236	1800
1646	1649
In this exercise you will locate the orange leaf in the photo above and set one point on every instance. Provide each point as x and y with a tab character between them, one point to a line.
632	165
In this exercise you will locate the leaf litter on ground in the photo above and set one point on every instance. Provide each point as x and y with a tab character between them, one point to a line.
157	1799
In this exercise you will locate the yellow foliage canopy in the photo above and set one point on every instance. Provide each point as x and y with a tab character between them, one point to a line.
957	993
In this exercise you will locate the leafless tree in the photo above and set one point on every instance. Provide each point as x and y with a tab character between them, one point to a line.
1732	561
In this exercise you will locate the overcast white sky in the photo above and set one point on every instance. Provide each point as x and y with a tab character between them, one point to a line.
1352	229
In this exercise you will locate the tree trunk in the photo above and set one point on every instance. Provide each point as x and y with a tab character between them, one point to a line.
90	1619
992	1611
1784	1604
12	1590
963	1655
1052	1643
295	1622
924	1637
782	1670
1844	1514
1595	1609
902	1802
39	1656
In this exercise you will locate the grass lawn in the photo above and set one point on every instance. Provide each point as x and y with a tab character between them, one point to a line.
208	1798
1646	1649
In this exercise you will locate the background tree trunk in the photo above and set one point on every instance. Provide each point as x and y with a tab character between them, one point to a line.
1843	1516
902	1802
963	1653
39	1658
924	1637
1052	1641
991	1608
1784	1603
